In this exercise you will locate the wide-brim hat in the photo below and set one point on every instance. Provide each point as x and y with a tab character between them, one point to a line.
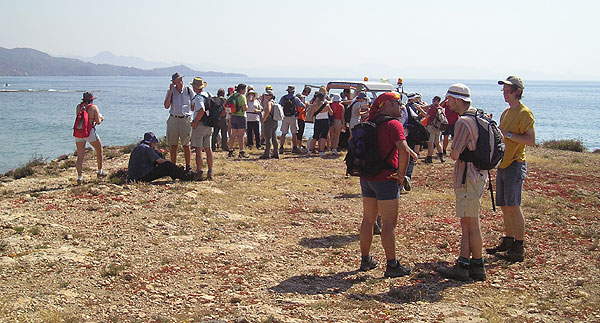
88	96
513	80
459	91
252	92
176	76
198	83
291	88
149	137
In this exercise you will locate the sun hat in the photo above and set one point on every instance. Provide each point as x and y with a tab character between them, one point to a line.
149	137
88	96
230	89
323	89
176	76
252	92
459	91
336	98
291	88
513	80
268	87
411	95
198	83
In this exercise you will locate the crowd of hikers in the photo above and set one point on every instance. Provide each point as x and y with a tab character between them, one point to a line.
384	142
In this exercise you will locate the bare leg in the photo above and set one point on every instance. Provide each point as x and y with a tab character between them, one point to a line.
514	223
173	153
366	227
198	151
80	155
187	153
389	217
98	148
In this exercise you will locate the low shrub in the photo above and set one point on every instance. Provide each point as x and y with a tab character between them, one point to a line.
27	169
565	144
119	177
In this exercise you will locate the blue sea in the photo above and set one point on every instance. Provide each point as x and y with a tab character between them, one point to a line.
37	113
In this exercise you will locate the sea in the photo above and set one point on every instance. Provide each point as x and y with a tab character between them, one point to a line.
37	113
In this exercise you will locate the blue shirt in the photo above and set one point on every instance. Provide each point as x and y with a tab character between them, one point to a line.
141	161
294	99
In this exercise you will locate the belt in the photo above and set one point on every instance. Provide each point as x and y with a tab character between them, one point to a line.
172	115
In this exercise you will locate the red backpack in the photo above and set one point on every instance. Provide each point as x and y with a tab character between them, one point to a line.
82	127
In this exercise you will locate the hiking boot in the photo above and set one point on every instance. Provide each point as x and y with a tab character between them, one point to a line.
281	150
243	154
477	270
79	181
428	160
264	157
406	184
514	253
231	154
397	271
198	176
209	176
503	246
368	265
459	271
377	226
275	156
442	159
295	150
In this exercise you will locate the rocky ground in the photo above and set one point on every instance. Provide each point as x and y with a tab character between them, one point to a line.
277	241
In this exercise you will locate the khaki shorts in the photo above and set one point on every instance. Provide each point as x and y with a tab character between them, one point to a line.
337	124
434	134
178	128
201	136
468	198
289	123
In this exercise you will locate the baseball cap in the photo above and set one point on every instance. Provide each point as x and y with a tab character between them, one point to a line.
291	88
459	91
149	137
176	76
513	80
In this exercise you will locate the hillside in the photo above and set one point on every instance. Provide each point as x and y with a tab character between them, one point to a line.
277	241
31	62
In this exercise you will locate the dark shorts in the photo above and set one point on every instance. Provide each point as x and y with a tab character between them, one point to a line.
321	129
449	131
386	190
238	122
509	184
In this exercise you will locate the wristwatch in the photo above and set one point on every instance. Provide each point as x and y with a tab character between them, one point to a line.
508	135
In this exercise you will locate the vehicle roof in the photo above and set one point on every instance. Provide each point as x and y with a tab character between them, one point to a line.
367	86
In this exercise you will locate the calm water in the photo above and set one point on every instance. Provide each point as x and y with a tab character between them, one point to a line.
39	121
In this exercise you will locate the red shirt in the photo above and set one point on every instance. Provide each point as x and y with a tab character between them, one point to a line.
338	110
451	116
388	134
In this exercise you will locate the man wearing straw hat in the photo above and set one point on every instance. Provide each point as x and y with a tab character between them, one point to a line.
179	102
201	133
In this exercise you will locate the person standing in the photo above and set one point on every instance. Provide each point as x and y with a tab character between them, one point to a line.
87	126
338	122
449	132
238	119
302	116
201	133
221	126
179	102
269	126
469	185
517	126
434	133
253	123
289	102
380	194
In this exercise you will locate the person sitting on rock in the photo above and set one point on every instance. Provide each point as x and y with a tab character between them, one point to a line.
146	165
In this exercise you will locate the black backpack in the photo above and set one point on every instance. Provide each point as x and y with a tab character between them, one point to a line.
289	107
490	148
363	158
213	107
417	133
348	112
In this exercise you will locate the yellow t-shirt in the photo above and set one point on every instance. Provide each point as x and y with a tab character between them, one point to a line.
516	121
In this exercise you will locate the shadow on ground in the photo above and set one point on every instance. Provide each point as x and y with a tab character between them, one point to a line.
334	241
316	284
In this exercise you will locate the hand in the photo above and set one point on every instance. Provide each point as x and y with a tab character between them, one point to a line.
397	177
194	124
171	86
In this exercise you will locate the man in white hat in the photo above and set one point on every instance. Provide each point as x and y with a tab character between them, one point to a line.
179	102
517	126
201	133
468	192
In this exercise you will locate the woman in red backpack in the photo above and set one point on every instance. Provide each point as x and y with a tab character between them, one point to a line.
84	130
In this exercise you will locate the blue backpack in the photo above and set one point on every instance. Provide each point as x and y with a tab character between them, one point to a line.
363	158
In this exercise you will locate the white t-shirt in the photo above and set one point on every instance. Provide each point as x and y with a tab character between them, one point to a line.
324	114
253	106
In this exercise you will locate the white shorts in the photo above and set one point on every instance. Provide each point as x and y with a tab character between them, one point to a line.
289	123
91	138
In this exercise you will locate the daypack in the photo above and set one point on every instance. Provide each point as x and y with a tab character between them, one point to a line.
230	105
440	122
213	106
348	112
289	107
277	111
417	133
363	158
490	148
82	126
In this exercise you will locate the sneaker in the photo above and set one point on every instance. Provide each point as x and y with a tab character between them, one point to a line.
243	154
514	253
264	157
209	176
459	271
397	271
377	226
368	265
100	175
428	160
198	176
477	271
442	159
79	181
231	154
503	246
295	150
280	150
406	184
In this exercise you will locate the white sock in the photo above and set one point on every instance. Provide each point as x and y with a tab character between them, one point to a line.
100	171
79	177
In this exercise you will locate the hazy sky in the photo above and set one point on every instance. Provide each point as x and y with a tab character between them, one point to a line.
414	39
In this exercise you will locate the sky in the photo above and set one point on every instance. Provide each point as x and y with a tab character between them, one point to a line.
541	40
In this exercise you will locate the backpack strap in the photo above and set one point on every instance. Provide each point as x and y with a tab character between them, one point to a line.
379	121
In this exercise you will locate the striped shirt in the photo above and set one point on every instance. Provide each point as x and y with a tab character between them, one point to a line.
465	136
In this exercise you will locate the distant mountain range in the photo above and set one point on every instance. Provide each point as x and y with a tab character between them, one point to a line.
31	62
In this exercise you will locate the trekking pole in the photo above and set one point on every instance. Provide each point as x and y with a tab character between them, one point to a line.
491	191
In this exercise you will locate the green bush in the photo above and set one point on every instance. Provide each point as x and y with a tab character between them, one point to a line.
119	177
565	144
27	169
